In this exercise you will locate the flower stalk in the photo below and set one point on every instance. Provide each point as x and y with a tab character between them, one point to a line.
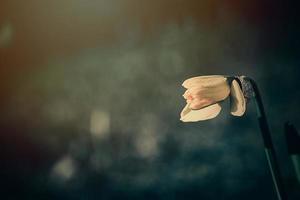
268	144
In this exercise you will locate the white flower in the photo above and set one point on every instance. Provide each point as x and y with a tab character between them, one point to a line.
204	94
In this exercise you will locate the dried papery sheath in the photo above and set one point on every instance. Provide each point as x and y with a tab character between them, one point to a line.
246	87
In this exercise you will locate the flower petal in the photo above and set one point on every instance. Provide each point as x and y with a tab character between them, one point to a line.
199	103
206	90
217	92
209	112
205	81
237	99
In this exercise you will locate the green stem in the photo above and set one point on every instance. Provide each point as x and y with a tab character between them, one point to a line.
269	148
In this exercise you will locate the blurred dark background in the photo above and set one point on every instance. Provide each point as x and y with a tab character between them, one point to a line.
90	96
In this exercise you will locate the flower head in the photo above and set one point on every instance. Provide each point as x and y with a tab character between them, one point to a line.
204	94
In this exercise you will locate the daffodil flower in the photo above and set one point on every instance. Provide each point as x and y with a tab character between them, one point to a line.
205	93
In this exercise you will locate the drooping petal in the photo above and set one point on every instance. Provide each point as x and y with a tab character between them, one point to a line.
209	112
237	99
